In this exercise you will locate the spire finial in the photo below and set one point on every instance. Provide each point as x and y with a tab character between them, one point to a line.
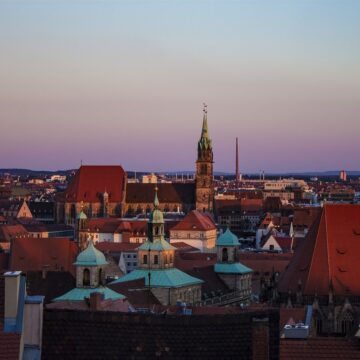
156	200
205	108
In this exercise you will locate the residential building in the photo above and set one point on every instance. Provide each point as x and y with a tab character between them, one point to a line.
197	229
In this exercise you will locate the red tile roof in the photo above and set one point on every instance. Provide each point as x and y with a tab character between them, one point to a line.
8	232
90	182
32	254
329	253
319	348
195	220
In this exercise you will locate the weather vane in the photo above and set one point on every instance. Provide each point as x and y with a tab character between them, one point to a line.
205	108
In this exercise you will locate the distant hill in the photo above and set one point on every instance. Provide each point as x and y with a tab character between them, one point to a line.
28	172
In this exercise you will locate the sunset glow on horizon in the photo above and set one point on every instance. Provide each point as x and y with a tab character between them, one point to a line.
123	82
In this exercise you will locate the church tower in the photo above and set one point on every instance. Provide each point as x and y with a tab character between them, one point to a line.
204	170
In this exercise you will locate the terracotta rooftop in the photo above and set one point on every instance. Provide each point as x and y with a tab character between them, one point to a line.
325	348
90	182
33	254
328	254
195	221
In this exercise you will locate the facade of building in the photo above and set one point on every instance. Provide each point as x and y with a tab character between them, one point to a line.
197	229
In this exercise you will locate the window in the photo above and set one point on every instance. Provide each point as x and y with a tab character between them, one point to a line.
145	259
156	259
225	254
100	277
86	277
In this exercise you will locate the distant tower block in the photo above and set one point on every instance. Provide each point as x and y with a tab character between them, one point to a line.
343	175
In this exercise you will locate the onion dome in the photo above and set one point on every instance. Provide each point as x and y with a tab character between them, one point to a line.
91	256
227	239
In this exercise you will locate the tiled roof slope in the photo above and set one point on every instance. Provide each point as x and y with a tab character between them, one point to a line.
32	254
9	342
90	182
329	254
167	193
319	348
110	335
195	220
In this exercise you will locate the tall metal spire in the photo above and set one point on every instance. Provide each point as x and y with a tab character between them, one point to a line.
237	164
204	132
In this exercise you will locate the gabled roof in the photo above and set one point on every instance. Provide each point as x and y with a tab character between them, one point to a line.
90	182
328	254
195	221
168	193
167	278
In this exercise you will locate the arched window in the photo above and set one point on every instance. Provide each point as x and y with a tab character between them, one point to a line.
100	277
156	259
86	277
156	230
145	259
225	256
165	259
171	259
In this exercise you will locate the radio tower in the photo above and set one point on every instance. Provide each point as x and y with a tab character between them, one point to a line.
237	165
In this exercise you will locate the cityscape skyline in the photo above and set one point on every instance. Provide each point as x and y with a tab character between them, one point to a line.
114	82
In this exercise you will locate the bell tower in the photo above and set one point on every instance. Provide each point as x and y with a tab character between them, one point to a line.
204	169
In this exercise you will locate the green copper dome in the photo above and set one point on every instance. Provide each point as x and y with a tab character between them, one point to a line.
91	256
227	239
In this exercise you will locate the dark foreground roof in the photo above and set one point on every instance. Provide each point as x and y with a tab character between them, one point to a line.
109	335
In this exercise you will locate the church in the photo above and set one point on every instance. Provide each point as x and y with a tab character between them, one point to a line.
103	191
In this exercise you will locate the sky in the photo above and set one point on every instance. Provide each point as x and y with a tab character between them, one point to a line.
123	82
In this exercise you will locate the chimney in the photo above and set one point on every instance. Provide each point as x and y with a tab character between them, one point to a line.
237	164
12	293
95	301
260	339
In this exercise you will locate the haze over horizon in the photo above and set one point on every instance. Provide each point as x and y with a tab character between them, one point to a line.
111	82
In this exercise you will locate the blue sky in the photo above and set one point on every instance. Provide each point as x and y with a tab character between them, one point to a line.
122	82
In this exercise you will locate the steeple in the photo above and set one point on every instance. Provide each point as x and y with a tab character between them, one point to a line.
156	221
205	141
